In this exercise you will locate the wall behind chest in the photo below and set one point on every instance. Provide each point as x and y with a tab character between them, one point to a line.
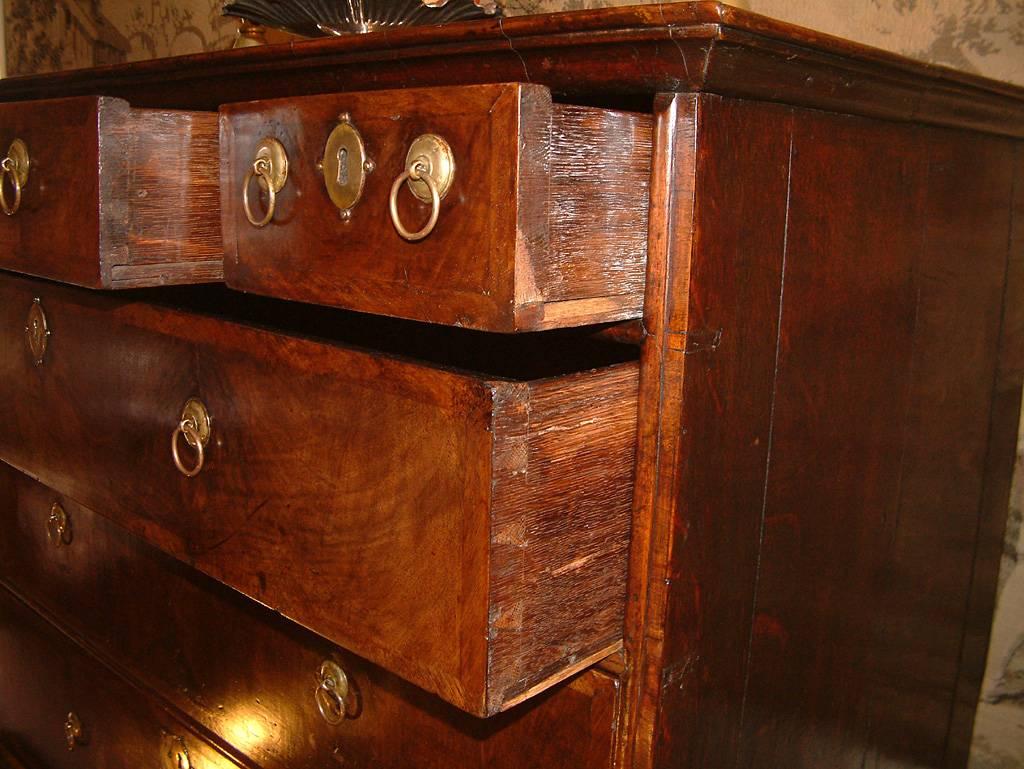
49	35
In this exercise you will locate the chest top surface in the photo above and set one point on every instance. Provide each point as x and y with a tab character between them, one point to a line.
617	56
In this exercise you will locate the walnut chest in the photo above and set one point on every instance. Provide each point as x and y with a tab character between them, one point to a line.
623	389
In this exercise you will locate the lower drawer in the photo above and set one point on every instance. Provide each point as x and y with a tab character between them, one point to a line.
60	708
251	677
467	531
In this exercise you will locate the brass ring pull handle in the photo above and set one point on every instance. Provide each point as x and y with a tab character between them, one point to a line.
418	171
194	427
188	431
260	168
429	171
332	692
15	165
270	169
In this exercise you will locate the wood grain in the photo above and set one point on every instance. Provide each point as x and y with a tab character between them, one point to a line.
53	234
553	199
244	674
598	207
159	197
578	591
354	492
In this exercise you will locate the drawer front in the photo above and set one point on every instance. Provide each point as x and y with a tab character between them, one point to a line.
469	534
544	223
250	677
60	708
114	197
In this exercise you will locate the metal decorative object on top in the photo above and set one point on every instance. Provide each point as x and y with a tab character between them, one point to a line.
323	18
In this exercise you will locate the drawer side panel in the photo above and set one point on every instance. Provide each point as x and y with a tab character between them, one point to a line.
562	498
600	186
160	198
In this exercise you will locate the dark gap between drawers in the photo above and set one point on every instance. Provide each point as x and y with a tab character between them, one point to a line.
521	357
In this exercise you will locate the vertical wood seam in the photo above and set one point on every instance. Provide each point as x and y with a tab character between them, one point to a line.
771	437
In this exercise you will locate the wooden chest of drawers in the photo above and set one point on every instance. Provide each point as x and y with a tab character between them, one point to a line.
632	389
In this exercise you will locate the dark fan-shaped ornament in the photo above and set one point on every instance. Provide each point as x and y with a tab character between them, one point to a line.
320	18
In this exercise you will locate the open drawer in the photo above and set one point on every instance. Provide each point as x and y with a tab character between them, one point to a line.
102	195
541	208
466	531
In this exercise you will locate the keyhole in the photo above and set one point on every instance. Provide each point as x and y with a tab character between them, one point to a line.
343	167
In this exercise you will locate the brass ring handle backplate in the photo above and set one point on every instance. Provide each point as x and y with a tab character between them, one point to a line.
429	172
174	752
58	526
270	169
332	692
15	166
37	332
72	730
194	427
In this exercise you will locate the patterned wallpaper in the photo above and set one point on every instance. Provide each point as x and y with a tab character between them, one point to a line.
999	724
982	36
46	35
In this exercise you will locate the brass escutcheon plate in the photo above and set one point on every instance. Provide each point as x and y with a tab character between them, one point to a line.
440	161
18	153
274	153
195	413
37	332
345	165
